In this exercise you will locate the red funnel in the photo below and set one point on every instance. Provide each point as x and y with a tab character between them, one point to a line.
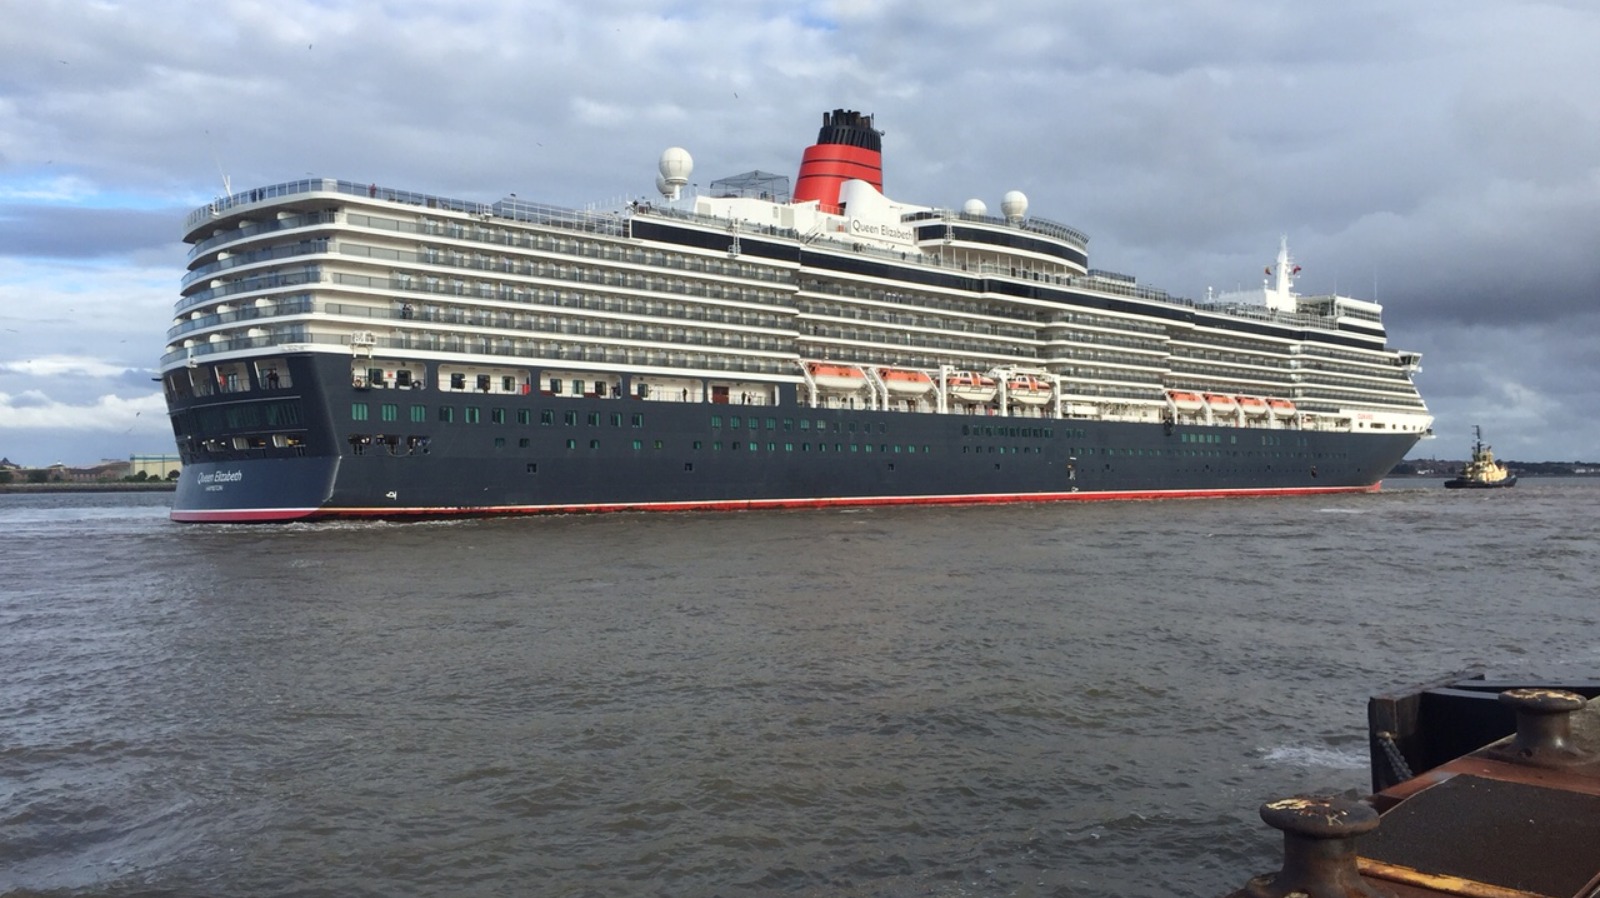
847	148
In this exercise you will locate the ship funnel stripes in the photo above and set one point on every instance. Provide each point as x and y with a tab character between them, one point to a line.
847	148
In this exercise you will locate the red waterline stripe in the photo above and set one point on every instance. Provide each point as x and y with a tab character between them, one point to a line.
262	515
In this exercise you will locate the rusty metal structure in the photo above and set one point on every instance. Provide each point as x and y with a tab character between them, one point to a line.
1515	816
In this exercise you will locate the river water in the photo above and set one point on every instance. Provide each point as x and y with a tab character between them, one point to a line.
1054	700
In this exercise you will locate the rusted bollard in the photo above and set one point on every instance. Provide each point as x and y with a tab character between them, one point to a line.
1544	726
1319	855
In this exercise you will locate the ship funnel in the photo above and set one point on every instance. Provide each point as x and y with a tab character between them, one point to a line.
847	148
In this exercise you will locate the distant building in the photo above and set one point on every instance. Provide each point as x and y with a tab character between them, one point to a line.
104	471
155	467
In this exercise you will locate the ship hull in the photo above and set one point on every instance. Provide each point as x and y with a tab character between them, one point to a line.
633	454
1460	484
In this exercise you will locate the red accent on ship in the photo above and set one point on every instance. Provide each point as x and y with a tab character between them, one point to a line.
847	148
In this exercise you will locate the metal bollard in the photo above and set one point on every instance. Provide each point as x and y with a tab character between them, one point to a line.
1319	855
1544	727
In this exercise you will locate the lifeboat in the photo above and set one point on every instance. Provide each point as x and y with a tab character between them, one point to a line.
836	378
1281	408
1254	406
1221	402
970	387
1186	402
1027	389
902	382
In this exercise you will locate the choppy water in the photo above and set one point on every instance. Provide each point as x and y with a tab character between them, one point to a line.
1057	700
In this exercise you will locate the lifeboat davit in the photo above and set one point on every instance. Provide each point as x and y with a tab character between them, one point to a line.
1281	408
1221	402
902	382
1186	402
971	387
1027	389
836	378
1254	406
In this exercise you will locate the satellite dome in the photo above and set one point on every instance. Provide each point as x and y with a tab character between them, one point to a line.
675	167
1014	206
975	208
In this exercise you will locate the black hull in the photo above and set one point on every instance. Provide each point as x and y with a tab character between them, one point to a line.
627	454
1459	484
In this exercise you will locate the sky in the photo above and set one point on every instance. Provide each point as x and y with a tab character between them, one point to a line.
1439	156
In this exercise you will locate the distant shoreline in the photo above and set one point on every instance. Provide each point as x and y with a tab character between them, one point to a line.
112	487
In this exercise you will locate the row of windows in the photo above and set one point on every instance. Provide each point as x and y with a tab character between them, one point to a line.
472	414
989	430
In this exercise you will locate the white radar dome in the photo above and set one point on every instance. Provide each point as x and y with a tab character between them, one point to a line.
1014	206
676	164
975	208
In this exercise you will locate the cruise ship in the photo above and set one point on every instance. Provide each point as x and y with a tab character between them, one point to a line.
349	349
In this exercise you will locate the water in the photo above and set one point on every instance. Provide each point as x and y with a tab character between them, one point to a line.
1059	700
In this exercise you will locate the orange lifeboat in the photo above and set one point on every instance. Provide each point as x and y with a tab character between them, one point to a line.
1254	406
1281	408
836	378
968	386
1186	402
902	382
1221	402
1027	389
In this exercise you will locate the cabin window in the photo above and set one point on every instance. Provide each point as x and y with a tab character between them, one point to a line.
657	444
458	381
547	416
735	422
524	416
638	420
508	384
499	442
497	415
570	419
446	414
523	442
419	413
638	444
594	444
358	411
483	383
471	415
805	423
577	387
572	444
555	385
716	421
616	419
594	419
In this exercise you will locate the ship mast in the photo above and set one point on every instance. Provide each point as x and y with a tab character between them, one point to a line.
1280	290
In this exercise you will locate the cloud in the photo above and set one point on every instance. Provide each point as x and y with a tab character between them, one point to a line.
36	411
63	366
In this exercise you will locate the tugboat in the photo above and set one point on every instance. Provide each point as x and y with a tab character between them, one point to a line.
1483	472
